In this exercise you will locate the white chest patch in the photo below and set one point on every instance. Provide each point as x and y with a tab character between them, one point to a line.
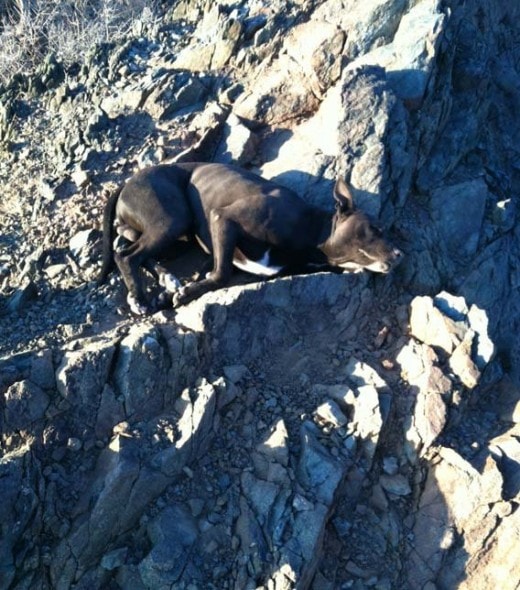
262	267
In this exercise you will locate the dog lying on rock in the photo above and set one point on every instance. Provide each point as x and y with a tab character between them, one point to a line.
236	216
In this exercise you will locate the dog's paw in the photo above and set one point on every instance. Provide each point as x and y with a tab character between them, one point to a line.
178	298
136	307
170	282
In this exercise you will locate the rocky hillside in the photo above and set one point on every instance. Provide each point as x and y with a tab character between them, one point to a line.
318	432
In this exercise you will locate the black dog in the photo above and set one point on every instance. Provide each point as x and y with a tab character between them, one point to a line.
240	219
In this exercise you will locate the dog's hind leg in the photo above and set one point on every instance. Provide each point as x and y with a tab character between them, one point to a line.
128	260
144	253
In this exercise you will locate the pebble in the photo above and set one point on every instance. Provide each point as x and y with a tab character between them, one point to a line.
396	485
390	465
331	413
74	444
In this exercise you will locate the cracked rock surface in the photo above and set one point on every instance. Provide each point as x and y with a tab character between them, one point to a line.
319	432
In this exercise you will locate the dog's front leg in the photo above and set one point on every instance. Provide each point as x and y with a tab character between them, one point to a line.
223	233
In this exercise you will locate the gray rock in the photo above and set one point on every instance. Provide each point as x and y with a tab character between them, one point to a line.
361	373
278	94
461	364
396	485
172	532
450	305
300	553
261	495
484	347
309	160
506	450
42	370
80	241
409	59
80	178
446	322
141	372
429	325
418	369
457	497
390	465
275	446
236	373
114	559
25	404
129	100
319	471
330	413
21	298
366	419
17	472
196	427
81	376
317	46
458	213
372	24
111	411
55	270
214	41
238	144
172	92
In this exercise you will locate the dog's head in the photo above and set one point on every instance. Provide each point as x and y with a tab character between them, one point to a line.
355	244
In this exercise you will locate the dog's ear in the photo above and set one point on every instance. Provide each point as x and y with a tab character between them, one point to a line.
343	197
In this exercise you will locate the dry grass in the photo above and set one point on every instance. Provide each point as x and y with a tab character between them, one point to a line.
31	29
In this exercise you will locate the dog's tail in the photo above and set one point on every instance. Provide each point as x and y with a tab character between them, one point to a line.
108	237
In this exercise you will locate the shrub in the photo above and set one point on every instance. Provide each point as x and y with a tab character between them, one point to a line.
30	29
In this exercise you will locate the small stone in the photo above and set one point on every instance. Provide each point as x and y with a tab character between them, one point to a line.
74	444
196	506
342	526
462	365
395	484
429	325
21	297
80	240
80	178
114	559
274	447
453	306
381	337
301	504
55	270
390	465
238	143
236	373
331	413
